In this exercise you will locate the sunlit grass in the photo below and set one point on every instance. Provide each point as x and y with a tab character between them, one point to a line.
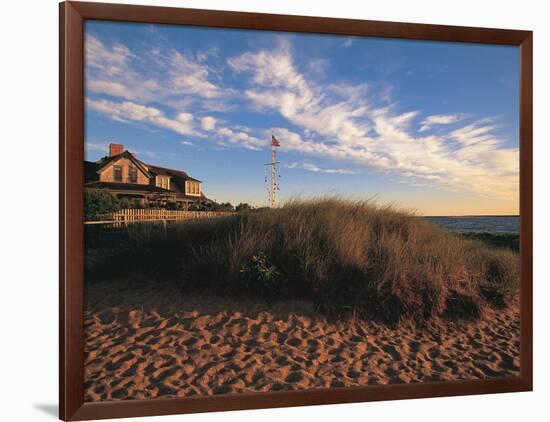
343	255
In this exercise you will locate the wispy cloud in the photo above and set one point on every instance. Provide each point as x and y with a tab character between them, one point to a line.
192	77
474	133
109	71
316	169
182	123
111	61
174	80
348	42
318	66
438	119
350	127
278	85
157	75
208	123
239	137
357	124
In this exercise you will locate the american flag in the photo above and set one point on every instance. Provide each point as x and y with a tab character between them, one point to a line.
274	142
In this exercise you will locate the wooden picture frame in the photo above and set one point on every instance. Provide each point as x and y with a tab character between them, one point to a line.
71	129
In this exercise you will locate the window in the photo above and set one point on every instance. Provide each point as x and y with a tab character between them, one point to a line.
132	174
117	173
193	188
163	182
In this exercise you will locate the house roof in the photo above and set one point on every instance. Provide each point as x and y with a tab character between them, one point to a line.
163	171
90	171
148	169
177	184
108	161
130	187
141	189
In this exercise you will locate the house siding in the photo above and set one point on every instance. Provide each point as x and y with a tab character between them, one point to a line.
108	174
101	175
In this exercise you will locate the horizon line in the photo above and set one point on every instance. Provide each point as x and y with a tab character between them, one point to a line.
471	215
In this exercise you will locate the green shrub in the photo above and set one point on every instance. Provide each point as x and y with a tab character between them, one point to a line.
225	206
260	278
98	201
171	205
500	240
242	207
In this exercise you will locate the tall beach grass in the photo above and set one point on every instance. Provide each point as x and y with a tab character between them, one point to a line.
346	256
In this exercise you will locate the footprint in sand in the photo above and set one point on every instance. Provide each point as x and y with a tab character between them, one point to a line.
295	376
142	355
392	351
294	342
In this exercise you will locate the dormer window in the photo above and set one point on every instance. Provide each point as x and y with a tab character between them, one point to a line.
192	188
163	182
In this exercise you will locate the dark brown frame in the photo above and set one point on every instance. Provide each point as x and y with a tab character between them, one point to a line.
71	136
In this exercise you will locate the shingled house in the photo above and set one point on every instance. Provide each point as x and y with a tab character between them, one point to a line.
122	174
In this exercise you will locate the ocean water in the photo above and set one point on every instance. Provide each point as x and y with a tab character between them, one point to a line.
478	224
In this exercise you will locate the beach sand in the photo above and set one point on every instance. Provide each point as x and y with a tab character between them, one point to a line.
143	341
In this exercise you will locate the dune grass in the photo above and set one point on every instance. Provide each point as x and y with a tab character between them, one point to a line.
345	256
500	240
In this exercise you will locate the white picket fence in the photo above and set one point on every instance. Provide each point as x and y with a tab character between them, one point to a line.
127	216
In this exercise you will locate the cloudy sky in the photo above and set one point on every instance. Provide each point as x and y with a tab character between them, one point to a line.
426	126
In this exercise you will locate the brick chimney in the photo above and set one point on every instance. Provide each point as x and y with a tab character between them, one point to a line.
115	149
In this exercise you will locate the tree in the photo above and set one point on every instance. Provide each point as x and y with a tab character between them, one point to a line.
226	206
98	201
242	207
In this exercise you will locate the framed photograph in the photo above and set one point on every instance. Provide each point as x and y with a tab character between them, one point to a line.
267	210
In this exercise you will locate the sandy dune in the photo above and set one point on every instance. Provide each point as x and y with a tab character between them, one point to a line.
145	341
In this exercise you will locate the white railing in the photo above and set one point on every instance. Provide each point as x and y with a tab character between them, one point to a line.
127	216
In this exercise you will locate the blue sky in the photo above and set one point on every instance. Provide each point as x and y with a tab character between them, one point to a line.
426	126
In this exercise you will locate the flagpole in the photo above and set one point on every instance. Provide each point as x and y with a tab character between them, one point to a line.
273	175
273	185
